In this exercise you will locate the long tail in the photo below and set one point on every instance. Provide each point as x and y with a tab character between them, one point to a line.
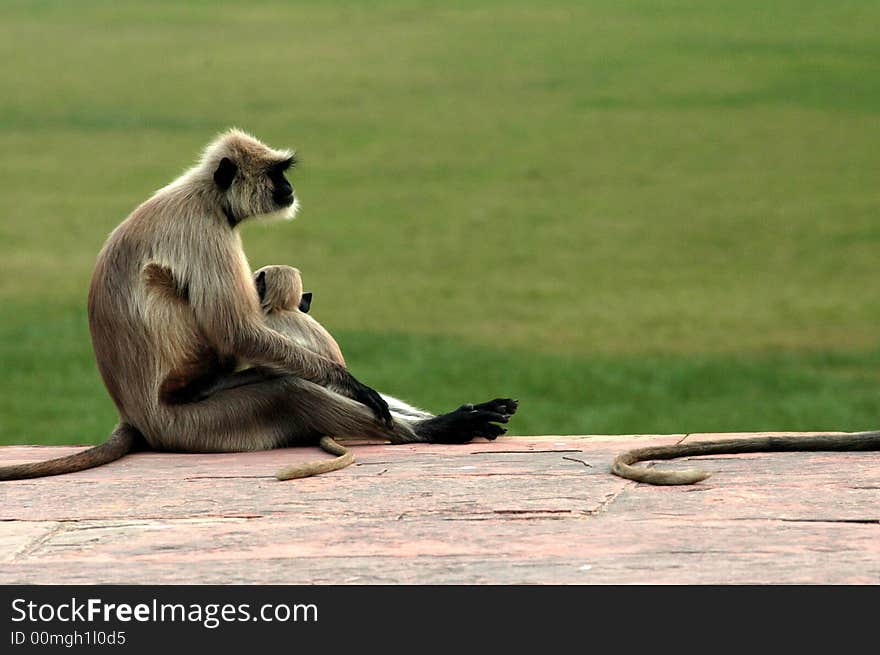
121	442
344	457
622	465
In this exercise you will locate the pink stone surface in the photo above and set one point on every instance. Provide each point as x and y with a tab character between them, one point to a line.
519	510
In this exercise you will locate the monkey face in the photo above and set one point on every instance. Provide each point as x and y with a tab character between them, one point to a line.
305	302
252	180
282	191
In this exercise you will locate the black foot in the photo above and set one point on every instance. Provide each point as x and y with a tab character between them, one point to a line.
506	406
469	421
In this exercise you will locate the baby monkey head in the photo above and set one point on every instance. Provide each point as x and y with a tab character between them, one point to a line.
280	288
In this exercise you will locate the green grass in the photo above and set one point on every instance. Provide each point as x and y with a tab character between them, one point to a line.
633	216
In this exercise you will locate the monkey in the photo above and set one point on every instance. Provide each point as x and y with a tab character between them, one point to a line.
285	307
147	344
622	466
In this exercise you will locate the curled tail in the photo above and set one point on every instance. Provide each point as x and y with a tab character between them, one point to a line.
120	443
344	457
622	466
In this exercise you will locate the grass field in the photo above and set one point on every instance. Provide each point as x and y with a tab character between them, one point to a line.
633	216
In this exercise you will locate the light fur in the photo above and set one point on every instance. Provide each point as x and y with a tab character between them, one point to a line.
283	290
153	338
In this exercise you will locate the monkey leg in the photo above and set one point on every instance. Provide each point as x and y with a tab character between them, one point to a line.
400	409
459	426
467	422
267	413
338	416
207	385
287	410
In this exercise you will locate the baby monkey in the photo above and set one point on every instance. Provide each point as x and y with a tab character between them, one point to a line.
285	308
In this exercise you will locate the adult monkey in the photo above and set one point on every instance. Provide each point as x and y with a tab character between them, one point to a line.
147	344
623	464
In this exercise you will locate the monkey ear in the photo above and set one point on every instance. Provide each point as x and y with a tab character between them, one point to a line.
305	302
261	285
225	173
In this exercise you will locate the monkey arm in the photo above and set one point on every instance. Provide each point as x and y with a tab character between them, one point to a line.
262	345
229	314
259	344
266	346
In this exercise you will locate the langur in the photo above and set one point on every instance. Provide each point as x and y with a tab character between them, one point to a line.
150	344
286	306
285	309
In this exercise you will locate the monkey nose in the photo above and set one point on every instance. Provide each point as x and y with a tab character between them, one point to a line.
284	197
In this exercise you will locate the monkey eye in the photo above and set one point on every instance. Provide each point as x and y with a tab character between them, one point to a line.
285	164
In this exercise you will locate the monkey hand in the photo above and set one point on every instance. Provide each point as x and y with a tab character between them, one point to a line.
367	396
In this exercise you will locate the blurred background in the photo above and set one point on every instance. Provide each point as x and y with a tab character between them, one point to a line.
634	216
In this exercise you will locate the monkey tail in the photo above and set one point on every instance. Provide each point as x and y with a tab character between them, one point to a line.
121	442
344	457
623	463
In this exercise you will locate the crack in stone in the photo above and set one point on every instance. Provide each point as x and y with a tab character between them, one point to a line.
610	498
857	521
532	511
86	519
229	477
782	519
38	542
522	515
524	452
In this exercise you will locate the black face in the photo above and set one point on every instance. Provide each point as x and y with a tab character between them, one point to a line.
305	302
282	192
260	283
225	173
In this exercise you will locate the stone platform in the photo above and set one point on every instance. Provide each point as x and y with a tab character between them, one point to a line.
519	510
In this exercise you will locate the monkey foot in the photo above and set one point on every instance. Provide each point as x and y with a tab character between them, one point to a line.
469	421
506	406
